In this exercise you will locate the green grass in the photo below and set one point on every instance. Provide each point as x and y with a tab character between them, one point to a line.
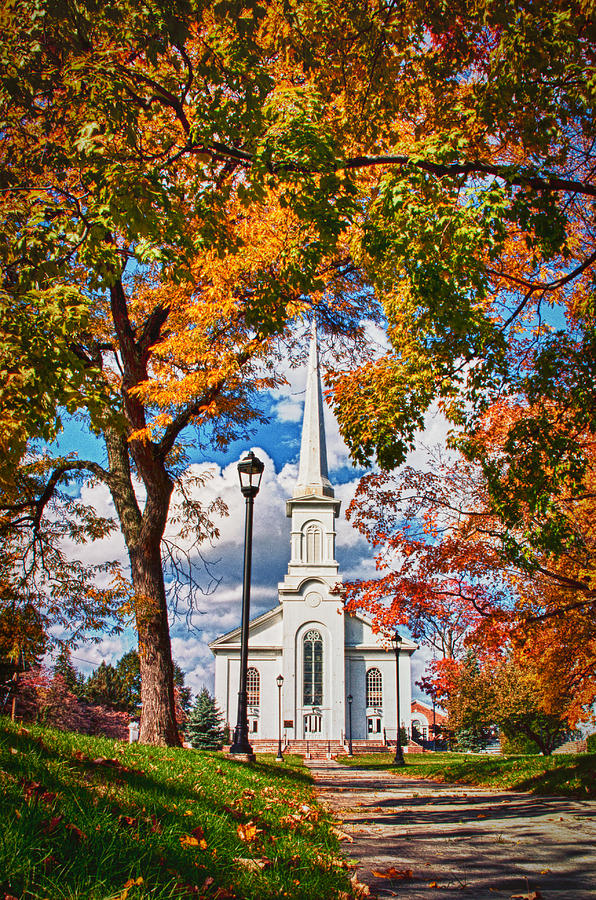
569	775
93	818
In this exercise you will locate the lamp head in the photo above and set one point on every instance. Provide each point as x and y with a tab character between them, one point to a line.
250	470
396	640
279	680
350	699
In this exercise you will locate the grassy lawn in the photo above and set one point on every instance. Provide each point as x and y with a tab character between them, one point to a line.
570	775
88	817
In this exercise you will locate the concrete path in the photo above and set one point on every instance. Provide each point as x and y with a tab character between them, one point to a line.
452	840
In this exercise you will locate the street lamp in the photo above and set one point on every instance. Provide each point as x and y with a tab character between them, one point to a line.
350	701
250	470
399	756
280	681
434	725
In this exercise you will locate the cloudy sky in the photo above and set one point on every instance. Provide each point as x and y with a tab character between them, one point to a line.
277	444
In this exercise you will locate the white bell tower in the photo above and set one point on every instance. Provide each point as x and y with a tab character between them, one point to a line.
313	621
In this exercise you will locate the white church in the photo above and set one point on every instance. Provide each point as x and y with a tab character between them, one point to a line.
324	654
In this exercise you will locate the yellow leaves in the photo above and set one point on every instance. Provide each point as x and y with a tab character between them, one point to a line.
196	838
132	882
248	832
341	835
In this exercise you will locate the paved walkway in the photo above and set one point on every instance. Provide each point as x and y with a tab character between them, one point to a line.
452	840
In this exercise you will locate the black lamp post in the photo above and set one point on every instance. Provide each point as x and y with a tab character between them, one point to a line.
399	756
350	701
434	725
280	681
250	470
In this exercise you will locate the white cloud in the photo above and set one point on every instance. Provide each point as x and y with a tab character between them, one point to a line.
219	611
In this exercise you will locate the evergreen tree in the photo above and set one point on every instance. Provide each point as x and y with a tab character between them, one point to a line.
204	728
184	694
104	686
472	739
128	670
63	666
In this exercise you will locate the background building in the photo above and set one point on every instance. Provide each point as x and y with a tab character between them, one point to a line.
323	653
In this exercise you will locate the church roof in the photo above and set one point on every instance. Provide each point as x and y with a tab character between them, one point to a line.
260	624
313	476
233	636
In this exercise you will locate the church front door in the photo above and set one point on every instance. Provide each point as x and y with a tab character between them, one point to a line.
313	725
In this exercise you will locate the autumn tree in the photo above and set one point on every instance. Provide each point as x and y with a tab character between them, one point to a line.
506	693
150	186
480	244
186	183
446	558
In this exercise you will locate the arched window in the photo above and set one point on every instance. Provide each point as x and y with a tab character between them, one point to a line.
312	544
253	686
374	688
313	669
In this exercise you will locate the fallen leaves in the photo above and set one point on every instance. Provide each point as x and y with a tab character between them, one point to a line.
75	832
530	895
395	874
195	839
253	865
341	835
129	884
247	833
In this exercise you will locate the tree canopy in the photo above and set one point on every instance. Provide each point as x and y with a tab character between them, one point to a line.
181	185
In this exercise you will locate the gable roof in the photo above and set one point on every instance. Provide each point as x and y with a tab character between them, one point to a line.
232	638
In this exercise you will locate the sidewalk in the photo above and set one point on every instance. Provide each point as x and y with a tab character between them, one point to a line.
436	840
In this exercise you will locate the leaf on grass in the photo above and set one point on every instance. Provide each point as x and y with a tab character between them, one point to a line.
341	835
48	826
188	840
76	833
358	888
128	885
129	821
531	895
247	833
155	824
253	865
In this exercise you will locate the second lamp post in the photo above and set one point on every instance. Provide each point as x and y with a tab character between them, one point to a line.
250	470
279	681
398	759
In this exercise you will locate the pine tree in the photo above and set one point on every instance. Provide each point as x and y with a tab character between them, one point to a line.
63	666
128	670
204	728
104	686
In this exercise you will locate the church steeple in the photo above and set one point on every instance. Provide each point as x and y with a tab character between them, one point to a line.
313	478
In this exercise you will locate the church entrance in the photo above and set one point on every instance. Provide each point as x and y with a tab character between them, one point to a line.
312	684
313	725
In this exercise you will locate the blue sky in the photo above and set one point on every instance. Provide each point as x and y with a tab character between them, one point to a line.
277	443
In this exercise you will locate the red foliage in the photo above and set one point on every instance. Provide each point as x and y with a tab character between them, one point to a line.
42	696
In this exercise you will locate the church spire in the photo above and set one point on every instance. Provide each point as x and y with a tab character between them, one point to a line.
312	474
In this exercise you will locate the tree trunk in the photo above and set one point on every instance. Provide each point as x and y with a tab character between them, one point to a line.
143	533
158	720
